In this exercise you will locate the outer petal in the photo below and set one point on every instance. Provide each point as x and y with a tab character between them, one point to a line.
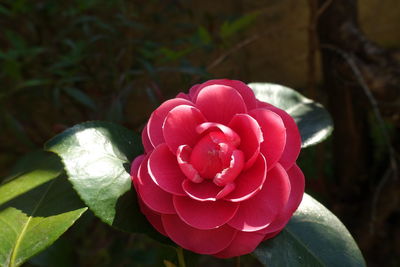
180	127
151	194
183	95
293	138
250	181
243	243
135	169
204	214
297	182
219	103
259	211
199	241
250	134
153	217
164	170
274	133
245	91
148	147
154	126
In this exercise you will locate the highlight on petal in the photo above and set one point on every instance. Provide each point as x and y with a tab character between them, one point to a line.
250	134
293	138
204	214
274	133
259	211
230	135
153	218
180	127
245	91
156	121
219	103
153	196
243	243
199	241
297	183
148	147
204	191
183	157
164	170
249	182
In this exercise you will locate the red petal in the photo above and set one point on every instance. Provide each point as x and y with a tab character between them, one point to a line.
183	157
204	191
250	181
135	168
297	182
204	214
219	103
199	241
183	95
148	147
274	133
293	138
243	243
157	118
230	135
180	127
259	211
245	91
151	194
250	134
164	170
153	217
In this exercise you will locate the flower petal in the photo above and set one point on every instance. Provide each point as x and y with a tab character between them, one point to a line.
153	218
259	211
183	95
249	182
204	191
204	214
274	133
243	243
245	91
219	103
148	147
297	182
151	194
135	169
180	127
230	135
250	134
164	170
199	241
293	138
157	118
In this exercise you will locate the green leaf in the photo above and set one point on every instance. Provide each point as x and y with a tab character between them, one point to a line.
229	28
97	157
36	207
314	122
313	237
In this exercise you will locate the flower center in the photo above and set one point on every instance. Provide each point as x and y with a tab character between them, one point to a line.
211	154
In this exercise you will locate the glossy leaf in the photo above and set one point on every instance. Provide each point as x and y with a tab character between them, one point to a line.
313	120
36	207
97	157
313	237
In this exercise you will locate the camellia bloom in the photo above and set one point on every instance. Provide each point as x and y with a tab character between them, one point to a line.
219	172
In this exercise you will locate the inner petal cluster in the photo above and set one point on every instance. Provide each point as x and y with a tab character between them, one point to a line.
214	157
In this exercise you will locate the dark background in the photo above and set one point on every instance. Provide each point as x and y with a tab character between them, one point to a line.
65	62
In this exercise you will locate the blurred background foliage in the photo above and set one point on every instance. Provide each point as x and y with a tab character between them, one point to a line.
64	62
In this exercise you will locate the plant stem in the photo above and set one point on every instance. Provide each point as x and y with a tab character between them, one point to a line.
181	257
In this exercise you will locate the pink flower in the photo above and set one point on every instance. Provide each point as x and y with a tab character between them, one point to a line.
219	172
